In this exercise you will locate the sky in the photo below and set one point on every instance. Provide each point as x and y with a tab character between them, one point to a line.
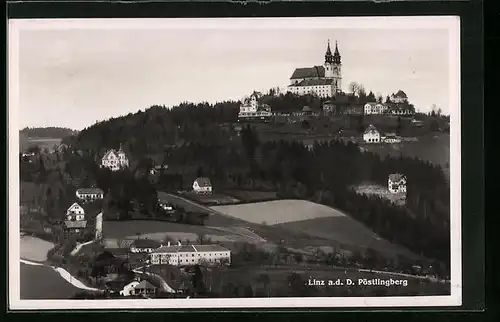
73	76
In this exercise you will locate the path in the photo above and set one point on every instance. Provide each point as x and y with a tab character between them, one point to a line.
79	246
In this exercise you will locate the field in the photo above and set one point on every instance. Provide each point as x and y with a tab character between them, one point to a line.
211	199
34	249
251	195
43	283
278	211
330	226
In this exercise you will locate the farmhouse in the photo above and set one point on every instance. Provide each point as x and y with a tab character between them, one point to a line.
144	246
188	255
374	108
202	185
115	160
397	183
89	194
371	135
323	81
75	222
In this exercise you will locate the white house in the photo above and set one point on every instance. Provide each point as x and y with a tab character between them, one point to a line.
144	246
371	135
202	185
115	160
251	108
188	255
374	108
399	98
129	288
75	219
397	183
75	212
89	194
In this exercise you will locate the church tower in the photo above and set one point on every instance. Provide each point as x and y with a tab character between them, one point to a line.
337	69
328	62
333	67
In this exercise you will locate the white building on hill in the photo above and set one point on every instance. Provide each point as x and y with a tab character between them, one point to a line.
89	194
251	107
189	255
397	183
202	185
371	135
323	81
115	160
373	108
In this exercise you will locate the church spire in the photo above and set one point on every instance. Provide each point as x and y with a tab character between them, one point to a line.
336	55
328	55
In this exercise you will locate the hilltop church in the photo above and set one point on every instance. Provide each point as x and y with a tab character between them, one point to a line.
324	81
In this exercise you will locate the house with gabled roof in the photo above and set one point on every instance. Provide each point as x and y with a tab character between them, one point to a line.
397	183
202	185
399	98
371	135
115	160
75	222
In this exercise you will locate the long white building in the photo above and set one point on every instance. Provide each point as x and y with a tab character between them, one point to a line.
189	255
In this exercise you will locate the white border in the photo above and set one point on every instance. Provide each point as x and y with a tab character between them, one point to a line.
452	24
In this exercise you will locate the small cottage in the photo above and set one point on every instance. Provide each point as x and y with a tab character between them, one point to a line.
202	185
144	288
371	135
397	183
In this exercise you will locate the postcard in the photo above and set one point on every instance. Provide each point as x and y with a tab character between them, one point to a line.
234	163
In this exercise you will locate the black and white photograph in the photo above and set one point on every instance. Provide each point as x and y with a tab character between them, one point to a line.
234	163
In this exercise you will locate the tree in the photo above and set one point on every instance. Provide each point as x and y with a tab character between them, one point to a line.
371	97
354	88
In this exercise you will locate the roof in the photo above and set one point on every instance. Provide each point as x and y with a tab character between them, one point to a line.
203	182
372	103
191	248
146	243
75	224
395	177
89	190
401	94
316	71
314	82
145	284
306	109
73	205
370	128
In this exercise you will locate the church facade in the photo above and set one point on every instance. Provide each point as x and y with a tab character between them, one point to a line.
323	81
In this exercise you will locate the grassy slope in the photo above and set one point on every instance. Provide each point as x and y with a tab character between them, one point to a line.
325	225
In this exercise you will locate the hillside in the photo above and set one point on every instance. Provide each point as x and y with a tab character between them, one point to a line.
318	221
47	132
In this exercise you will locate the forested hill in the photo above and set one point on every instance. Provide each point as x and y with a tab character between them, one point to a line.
151	130
47	132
